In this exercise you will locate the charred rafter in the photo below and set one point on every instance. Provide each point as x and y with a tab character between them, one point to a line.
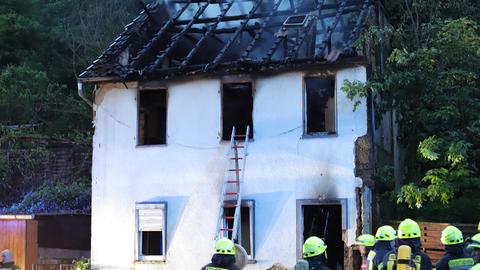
299	9
240	29
327	40
156	40
303	35
209	32
260	32
359	23
176	39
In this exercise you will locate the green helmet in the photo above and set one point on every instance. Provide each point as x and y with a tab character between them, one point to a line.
225	246
367	240
314	246
386	233
475	241
476	267
451	235
408	229
478	226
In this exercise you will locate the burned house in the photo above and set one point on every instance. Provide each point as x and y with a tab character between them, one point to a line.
226	118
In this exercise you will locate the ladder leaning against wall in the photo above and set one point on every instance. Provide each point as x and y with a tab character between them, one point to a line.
230	198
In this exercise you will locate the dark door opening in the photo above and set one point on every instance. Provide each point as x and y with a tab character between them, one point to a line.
325	221
237	106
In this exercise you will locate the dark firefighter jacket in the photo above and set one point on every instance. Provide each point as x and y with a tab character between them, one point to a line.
317	263
420	260
221	262
455	258
375	257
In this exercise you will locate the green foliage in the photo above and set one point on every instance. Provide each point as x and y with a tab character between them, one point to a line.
44	46
431	82
56	197
82	264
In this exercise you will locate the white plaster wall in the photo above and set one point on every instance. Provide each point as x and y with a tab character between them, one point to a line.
281	168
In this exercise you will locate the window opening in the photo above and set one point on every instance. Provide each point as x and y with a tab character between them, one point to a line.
237	106
320	110
151	224
325	221
152	117
247	230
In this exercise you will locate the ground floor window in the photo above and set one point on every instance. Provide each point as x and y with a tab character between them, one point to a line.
247	229
326	220
151	225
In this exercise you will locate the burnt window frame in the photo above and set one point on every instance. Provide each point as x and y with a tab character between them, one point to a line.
236	80
139	257
323	134
138	132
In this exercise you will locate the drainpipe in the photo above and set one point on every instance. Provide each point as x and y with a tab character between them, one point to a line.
81	94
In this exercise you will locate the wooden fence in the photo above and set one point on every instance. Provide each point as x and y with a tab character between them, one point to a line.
431	233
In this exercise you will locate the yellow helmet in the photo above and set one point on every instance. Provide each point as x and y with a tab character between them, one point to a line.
313	246
475	241
225	246
386	233
478	226
367	240
451	235
408	229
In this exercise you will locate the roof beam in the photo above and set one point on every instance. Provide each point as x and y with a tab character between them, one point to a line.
260	32
327	40
358	25
243	24
229	30
176	39
210	30
156	40
287	12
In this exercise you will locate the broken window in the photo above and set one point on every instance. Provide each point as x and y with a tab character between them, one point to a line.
152	117
247	229
237	106
320	112
151	224
325	221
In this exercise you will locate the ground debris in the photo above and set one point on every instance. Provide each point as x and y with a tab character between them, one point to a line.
278	266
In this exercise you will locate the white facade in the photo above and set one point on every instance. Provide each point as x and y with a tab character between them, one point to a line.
282	167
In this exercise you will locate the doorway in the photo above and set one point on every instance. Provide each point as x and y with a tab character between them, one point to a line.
324	221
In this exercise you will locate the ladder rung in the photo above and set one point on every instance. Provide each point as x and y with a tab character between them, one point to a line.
231	193
232	182
229	218
226	229
241	135
234	170
236	158
227	205
238	146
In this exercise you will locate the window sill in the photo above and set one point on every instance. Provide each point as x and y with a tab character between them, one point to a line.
320	135
151	146
146	261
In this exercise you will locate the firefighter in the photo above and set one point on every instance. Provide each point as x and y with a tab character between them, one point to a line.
409	234
224	256
385	243
455	256
314	250
475	246
365	243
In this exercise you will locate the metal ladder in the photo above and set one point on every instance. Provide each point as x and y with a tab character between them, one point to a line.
230	197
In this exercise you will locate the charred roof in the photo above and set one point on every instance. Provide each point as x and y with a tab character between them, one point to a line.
179	37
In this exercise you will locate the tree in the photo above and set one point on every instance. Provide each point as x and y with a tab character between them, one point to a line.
431	81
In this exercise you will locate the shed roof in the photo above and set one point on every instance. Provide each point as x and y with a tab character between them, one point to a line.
182	37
